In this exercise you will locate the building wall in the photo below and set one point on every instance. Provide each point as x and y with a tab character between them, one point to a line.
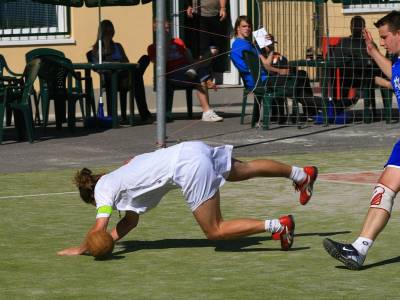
339	23
293	25
133	29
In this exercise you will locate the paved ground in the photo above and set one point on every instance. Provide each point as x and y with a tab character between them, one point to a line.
90	147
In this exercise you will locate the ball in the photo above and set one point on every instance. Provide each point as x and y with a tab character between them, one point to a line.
100	243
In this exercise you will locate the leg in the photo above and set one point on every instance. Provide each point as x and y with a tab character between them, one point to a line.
258	168
140	97
353	255
377	218
303	178
208	216
122	98
202	96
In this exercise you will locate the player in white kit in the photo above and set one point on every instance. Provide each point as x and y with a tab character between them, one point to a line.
199	171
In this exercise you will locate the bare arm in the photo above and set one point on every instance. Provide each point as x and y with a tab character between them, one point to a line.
267	64
189	11
124	57
222	10
101	224
383	82
126	224
384	63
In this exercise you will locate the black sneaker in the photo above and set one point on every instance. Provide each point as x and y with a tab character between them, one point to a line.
345	253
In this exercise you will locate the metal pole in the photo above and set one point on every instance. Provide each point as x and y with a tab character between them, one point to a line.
160	71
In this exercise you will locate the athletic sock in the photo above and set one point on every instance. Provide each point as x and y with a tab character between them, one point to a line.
273	226
362	245
298	175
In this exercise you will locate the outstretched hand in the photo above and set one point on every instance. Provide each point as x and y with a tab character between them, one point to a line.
71	251
369	41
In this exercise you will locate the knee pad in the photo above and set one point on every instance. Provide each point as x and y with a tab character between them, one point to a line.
383	198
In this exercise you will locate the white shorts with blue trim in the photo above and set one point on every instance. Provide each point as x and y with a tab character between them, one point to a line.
201	170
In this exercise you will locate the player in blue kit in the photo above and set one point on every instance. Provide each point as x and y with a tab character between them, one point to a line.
353	255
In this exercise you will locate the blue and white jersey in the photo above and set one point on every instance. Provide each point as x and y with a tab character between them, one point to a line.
394	159
396	78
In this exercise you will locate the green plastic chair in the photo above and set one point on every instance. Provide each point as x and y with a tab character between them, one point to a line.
5	69
265	95
60	82
56	76
170	90
17	97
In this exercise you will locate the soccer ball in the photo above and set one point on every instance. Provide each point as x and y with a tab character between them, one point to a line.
100	243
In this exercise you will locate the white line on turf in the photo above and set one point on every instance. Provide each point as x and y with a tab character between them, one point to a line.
322	179
345	182
36	195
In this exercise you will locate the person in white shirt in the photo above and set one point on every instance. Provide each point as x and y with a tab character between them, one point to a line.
199	171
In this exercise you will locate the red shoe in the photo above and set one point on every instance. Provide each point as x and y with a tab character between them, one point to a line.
306	187
287	234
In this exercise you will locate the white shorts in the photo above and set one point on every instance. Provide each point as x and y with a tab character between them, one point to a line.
201	170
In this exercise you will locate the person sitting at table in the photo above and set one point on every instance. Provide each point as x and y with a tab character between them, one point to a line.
183	72
114	52
273	74
359	70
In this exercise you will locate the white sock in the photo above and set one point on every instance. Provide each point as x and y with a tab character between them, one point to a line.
362	245
298	175
273	226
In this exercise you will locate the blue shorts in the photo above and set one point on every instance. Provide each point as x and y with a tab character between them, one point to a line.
394	159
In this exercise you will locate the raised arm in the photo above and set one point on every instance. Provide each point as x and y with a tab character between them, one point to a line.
384	63
101	224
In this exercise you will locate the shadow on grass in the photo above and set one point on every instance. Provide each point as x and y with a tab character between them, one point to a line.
240	245
392	260
233	245
322	233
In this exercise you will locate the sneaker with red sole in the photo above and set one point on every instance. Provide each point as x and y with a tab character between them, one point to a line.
286	236
306	187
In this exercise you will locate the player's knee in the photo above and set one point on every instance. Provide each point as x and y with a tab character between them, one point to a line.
383	198
214	235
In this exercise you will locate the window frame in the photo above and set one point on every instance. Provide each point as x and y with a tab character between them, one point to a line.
41	35
370	8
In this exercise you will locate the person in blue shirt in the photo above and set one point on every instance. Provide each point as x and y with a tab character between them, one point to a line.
353	255
272	74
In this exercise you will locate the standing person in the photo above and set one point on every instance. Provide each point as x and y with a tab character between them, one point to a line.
114	52
180	73
199	171
272	75
209	19
353	255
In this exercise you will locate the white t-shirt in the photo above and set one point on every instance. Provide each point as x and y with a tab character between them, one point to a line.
196	168
140	184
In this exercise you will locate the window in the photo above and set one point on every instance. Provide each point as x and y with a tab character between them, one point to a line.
29	22
366	6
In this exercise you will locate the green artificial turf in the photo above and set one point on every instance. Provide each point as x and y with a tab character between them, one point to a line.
168	257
